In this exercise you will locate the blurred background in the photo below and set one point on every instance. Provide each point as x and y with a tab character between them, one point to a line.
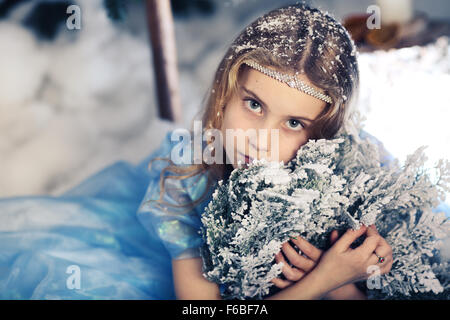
75	101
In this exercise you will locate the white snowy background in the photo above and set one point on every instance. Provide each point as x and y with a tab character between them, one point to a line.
70	107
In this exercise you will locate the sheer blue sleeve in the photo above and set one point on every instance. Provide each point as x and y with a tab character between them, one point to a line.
177	228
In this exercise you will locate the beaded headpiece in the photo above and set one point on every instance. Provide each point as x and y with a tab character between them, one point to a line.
291	81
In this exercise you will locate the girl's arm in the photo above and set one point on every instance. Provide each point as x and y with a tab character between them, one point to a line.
338	267
299	265
304	265
191	285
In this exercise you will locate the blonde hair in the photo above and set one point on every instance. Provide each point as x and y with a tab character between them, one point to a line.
288	39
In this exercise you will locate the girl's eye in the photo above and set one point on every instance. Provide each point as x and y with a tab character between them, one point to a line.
251	104
296	125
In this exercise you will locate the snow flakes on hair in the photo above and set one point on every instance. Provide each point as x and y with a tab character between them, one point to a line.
297	35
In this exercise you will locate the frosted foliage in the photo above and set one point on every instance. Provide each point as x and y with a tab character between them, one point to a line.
330	184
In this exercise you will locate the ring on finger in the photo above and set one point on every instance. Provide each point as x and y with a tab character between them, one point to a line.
380	259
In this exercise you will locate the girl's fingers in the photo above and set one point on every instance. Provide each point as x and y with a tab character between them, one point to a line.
383	250
386	245
374	242
372	230
334	236
292	274
348	238
369	245
280	283
296	259
385	266
307	248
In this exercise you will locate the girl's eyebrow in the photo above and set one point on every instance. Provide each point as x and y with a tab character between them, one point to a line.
265	105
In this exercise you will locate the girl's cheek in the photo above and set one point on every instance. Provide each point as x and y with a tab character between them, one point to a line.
239	112
294	147
239	118
287	148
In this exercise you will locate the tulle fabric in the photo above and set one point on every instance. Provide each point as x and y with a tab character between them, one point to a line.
119	245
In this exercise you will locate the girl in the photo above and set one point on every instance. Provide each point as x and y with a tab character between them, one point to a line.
132	233
252	90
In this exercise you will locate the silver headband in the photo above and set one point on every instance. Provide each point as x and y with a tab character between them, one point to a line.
291	81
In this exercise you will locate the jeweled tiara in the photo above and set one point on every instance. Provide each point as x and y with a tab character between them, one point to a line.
291	81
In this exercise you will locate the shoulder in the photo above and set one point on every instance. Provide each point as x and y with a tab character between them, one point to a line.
163	150
176	225
182	187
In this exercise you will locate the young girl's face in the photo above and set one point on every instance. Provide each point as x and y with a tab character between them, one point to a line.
262	102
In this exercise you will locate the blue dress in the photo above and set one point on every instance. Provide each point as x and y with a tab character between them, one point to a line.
102	239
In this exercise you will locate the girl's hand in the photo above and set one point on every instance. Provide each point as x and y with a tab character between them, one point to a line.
303	265
343	265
